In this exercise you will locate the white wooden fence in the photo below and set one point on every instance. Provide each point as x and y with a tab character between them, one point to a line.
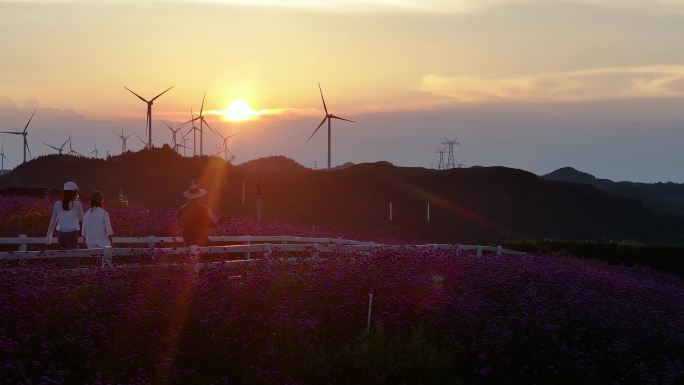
247	245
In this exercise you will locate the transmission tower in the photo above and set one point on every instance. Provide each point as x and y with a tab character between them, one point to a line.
441	152
451	158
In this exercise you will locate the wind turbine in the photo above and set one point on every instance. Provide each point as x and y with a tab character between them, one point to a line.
97	153
225	144
150	102
123	138
202	123
60	148
3	157
24	134
141	141
71	149
174	136
329	117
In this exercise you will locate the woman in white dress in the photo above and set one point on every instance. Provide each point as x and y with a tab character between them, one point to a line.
97	229
66	218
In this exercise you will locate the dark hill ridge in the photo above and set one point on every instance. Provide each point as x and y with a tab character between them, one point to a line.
270	164
666	197
484	204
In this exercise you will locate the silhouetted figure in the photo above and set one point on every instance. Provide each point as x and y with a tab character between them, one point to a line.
67	216
194	218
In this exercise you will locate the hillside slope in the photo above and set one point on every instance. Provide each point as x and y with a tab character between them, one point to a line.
666	197
484	204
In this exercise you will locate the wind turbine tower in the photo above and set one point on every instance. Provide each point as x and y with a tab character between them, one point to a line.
71	149
148	125
328	117
2	157
23	134
96	151
123	138
59	149
174	135
202	123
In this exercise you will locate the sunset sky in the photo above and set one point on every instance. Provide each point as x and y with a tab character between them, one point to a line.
532	84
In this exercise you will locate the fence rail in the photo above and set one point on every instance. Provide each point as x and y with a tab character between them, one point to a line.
22	241
314	246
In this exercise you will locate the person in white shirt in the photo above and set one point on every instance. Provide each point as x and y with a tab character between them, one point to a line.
66	218
97	229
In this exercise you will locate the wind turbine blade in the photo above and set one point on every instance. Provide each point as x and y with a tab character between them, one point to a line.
141	141
64	144
323	99
202	106
317	128
29	121
128	136
190	121
168	125
154	98
231	136
10	132
210	127
28	149
53	147
141	98
337	117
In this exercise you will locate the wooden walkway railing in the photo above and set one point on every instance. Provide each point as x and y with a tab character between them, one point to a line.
313	245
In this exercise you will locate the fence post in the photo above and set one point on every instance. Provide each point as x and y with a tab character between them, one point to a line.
370	309
151	241
499	250
390	212
268	250
428	211
22	244
479	251
106	257
249	255
194	253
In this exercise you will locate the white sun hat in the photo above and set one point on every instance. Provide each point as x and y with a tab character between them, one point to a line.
70	186
194	191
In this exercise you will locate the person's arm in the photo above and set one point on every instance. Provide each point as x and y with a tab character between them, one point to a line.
108	228
53	224
79	214
83	230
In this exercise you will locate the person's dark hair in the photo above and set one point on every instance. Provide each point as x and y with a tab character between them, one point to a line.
67	197
96	200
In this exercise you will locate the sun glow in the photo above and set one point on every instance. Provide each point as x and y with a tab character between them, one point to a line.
238	110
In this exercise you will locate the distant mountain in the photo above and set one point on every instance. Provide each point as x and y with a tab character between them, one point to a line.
668	197
484	204
270	164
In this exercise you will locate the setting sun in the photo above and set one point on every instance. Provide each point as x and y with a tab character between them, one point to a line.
239	110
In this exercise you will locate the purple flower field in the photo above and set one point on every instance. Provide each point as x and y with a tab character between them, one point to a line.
31	216
437	318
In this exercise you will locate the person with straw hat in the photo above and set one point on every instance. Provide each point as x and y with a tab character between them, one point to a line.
194	218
